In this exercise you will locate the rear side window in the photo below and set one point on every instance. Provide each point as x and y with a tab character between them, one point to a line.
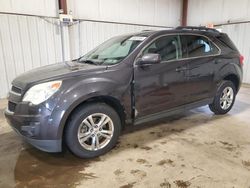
168	47
198	46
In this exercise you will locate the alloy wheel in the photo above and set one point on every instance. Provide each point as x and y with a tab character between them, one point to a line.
95	131
226	98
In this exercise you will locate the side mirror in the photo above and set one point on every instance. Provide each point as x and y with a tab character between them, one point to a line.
148	59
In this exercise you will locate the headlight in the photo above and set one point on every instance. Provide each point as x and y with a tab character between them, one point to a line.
41	92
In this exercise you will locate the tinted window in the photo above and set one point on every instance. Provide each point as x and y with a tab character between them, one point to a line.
197	46
168	47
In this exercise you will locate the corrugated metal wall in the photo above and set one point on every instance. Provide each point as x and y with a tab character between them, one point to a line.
86	35
150	12
240	34
202	12
26	42
32	7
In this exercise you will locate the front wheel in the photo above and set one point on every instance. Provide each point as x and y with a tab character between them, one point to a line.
92	130
224	98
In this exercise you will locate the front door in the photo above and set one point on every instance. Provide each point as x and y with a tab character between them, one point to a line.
161	86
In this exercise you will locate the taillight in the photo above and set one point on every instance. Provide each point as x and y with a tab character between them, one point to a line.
241	60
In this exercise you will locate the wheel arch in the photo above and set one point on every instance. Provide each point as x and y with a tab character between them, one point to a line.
109	100
233	78
231	72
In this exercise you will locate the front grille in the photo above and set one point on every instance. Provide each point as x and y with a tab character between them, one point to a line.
16	90
11	106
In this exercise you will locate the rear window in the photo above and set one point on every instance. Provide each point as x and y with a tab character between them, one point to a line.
198	46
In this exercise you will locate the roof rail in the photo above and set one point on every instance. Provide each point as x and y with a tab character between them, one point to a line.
146	30
197	28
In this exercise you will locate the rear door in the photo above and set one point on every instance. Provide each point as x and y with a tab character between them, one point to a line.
200	54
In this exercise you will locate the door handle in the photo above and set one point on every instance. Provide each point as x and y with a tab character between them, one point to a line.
180	69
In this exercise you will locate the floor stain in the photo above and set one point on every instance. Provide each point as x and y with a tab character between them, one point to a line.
163	142
159	135
228	146
146	148
129	185
165	184
195	167
138	173
210	143
166	161
182	184
177	130
130	159
246	163
39	169
141	161
118	172
135	146
226	143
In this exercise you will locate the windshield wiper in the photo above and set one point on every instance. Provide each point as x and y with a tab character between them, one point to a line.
88	61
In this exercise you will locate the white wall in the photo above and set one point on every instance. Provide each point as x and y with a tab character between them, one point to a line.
151	12
240	34
26	42
33	7
202	12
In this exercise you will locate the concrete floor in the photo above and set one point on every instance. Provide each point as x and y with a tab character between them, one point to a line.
193	149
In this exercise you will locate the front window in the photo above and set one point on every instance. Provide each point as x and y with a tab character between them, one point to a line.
112	51
168	47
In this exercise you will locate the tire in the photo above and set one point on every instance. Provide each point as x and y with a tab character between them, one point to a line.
222	103
80	136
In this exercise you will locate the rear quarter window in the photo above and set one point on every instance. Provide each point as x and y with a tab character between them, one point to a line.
198	46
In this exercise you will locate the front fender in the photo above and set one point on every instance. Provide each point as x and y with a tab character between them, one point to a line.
82	90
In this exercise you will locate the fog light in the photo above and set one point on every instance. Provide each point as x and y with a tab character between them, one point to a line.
31	130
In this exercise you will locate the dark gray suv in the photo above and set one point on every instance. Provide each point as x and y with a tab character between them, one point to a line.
128	79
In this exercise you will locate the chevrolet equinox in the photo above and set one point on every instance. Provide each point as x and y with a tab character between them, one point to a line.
129	79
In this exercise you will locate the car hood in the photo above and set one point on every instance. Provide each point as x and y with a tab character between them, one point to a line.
53	72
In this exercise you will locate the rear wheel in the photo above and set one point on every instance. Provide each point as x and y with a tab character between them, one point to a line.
92	130
224	98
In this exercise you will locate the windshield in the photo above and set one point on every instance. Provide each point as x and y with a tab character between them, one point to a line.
112	51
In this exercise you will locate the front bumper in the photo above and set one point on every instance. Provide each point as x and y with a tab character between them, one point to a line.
44	145
34	129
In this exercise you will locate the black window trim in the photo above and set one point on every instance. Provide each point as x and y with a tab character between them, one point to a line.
181	59
179	41
210	43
